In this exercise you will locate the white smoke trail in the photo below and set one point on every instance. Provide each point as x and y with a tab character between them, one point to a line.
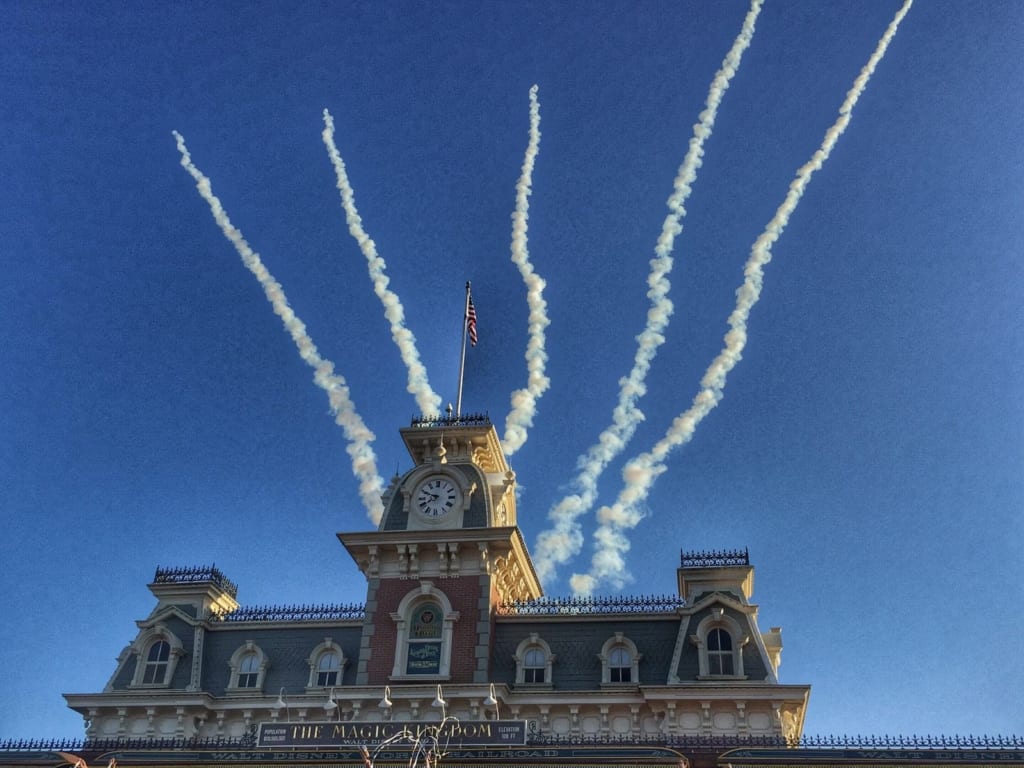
428	401
524	401
608	563
564	539
364	462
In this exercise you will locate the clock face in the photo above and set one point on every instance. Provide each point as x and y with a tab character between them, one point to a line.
436	497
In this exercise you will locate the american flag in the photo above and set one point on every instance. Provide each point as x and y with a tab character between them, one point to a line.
471	321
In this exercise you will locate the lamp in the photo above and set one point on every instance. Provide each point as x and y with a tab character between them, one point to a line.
330	705
385	703
492	701
440	702
282	702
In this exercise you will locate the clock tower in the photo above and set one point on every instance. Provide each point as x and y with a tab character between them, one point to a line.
446	555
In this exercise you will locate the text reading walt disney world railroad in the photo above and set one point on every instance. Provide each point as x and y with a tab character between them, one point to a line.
471	733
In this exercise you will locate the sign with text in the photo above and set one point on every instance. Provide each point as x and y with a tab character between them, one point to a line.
472	733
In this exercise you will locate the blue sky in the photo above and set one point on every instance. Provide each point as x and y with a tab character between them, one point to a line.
869	446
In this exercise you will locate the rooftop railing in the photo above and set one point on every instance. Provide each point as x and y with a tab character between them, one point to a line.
194	575
714	558
885	742
596	606
337	612
465	420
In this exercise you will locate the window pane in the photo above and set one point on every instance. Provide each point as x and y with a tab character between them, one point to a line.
328	669
154	673
156	662
159	651
533	675
719	640
424	659
426	623
327	678
727	665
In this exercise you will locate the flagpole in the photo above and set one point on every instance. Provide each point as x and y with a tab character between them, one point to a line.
462	357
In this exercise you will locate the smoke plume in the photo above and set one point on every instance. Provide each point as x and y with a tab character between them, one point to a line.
564	539
428	401
524	401
364	462
608	563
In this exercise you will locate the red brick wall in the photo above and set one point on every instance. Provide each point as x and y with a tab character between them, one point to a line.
463	594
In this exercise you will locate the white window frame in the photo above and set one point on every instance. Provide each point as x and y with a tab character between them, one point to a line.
718	619
141	647
534	643
235	663
327	646
619	640
427	592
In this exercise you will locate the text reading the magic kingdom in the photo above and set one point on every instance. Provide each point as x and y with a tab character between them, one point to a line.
457	734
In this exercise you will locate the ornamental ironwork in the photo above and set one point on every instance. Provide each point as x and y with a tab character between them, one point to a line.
77	746
196	574
714	558
586	606
465	420
886	742
337	612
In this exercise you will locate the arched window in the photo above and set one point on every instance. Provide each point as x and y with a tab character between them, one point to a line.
533	659
157	651
620	661
157	659
326	665
620	665
328	669
534	666
248	671
719	652
248	666
424	653
424	628
720	640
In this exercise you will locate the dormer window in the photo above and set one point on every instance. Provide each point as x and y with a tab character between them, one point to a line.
719	652
157	659
534	666
620	665
328	669
620	661
248	671
326	665
720	640
533	660
157	651
248	666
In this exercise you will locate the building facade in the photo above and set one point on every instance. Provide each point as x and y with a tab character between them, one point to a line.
453	611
